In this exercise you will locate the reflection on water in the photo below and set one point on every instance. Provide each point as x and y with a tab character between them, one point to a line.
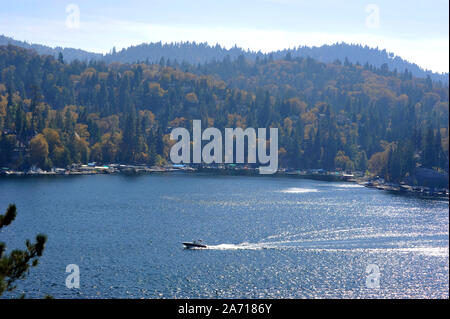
267	237
298	190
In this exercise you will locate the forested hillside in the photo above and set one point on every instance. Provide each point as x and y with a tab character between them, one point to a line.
333	116
195	53
200	53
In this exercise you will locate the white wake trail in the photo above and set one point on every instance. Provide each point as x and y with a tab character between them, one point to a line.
245	245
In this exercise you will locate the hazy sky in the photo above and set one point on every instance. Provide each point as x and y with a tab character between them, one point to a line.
414	30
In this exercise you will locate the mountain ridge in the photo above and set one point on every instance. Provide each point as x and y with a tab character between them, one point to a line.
200	53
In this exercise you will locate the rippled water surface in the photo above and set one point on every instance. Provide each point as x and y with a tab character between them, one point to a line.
268	237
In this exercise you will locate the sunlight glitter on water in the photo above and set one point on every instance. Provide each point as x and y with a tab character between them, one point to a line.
297	190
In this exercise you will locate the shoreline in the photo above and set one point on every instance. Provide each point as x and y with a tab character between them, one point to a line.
312	174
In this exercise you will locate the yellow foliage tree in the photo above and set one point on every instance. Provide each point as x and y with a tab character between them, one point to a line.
39	150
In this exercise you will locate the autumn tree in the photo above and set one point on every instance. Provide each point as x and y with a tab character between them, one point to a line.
39	151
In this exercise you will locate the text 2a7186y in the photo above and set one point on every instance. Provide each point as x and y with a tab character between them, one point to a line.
253	308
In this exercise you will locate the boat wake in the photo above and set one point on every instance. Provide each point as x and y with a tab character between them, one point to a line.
245	246
374	243
331	246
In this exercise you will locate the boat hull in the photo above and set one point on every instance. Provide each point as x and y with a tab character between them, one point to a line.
193	245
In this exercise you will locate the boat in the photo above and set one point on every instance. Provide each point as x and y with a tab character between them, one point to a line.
194	244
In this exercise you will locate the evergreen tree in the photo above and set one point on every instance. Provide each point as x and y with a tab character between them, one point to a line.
429	156
15	266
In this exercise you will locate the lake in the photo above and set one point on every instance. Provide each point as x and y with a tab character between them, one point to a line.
268	237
